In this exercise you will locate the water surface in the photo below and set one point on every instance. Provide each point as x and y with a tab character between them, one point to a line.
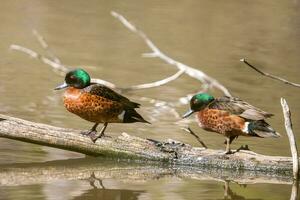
209	35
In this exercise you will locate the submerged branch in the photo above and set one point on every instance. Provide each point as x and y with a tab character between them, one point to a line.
45	45
157	53
155	84
54	62
269	75
135	148
59	68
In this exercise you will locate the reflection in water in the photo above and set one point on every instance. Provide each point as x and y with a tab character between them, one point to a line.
209	35
97	177
229	194
94	180
95	190
106	194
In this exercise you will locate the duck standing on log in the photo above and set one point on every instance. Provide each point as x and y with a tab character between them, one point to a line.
230	117
97	103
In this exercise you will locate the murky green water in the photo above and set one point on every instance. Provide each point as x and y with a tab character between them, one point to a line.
209	35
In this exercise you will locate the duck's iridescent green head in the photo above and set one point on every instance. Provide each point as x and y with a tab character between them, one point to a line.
199	102
77	78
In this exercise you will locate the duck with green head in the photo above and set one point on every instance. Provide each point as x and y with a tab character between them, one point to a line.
230	117
96	103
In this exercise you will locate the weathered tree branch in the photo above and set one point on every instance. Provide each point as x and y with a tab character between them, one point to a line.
157	53
156	83
59	68
289	131
45	45
269	75
54	62
130	147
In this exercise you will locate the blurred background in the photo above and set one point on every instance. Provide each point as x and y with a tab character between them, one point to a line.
211	36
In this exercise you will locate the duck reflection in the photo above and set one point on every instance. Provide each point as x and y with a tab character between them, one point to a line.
99	191
94	180
113	194
231	195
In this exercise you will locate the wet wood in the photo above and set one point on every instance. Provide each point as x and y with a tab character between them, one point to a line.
134	148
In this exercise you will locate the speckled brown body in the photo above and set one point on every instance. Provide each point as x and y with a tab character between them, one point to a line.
221	122
91	107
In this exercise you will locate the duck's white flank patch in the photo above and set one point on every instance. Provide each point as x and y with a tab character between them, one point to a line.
121	115
246	129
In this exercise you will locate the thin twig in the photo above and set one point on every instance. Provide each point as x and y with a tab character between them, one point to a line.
54	58
61	69
56	66
45	45
186	99
289	131
269	75
197	74
195	135
156	83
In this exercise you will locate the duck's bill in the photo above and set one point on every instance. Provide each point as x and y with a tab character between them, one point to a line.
188	113
62	86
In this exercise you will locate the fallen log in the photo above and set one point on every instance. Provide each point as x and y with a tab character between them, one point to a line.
135	148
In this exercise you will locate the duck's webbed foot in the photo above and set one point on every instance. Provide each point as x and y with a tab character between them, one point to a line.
91	133
227	152
88	132
95	137
246	147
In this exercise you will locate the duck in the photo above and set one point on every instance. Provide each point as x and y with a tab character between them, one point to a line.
230	117
96	103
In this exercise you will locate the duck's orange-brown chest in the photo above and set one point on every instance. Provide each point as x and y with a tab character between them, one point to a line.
91	107
221	122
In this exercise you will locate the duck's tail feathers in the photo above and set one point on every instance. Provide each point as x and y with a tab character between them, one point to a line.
261	128
132	116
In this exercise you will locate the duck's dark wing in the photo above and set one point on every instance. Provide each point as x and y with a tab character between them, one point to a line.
239	107
105	92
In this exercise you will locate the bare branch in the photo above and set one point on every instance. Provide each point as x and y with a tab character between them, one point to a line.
59	68
269	75
289	131
157	83
186	99
195	135
197	74
45	45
